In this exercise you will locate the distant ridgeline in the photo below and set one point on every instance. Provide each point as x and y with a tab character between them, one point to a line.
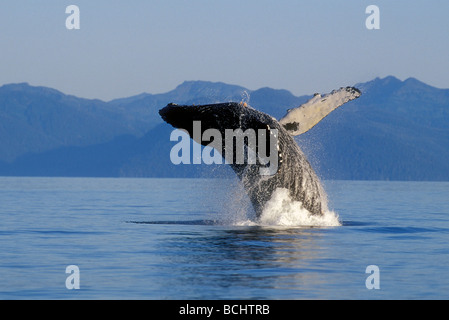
397	130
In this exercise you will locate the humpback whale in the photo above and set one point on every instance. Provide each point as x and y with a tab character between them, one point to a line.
294	171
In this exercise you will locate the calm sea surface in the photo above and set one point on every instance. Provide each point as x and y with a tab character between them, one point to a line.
177	239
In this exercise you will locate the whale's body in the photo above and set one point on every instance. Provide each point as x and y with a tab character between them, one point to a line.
294	171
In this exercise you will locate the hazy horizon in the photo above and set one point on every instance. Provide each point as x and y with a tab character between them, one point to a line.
224	83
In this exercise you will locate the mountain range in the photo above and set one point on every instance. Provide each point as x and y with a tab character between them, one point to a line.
397	130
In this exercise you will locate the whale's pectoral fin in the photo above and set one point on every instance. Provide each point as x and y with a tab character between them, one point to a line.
301	119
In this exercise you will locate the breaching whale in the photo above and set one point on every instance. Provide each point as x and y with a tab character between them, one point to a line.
294	171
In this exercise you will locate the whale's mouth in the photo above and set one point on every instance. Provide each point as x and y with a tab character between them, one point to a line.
178	116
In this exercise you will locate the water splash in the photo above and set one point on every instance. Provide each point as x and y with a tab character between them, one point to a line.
245	97
282	211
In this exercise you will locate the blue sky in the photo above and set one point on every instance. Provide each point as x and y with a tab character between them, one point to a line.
125	48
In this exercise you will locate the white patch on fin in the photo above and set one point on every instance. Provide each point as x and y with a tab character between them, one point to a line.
301	119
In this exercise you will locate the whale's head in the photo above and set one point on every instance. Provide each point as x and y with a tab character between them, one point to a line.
233	128
220	116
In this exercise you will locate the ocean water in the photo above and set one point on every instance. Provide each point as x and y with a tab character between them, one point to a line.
197	239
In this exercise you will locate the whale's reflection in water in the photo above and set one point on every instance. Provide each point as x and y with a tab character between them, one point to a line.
254	259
